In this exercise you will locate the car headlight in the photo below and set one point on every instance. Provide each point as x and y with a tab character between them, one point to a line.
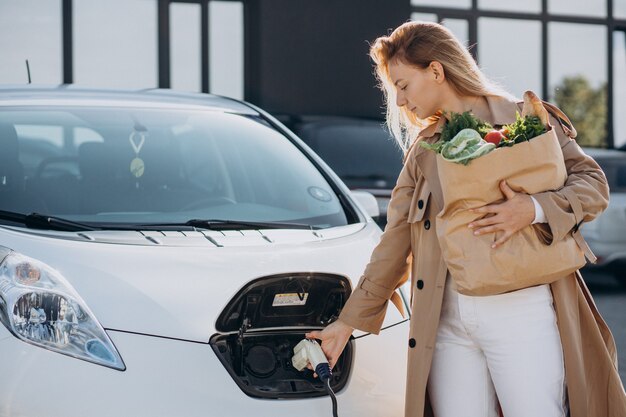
40	307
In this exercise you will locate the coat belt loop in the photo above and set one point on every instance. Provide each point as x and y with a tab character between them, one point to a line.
582	244
578	216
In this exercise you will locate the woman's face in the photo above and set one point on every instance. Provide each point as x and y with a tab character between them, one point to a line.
417	89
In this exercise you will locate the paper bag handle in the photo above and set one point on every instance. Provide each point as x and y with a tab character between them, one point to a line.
566	124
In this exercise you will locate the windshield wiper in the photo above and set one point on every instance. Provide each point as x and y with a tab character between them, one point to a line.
44	221
214	224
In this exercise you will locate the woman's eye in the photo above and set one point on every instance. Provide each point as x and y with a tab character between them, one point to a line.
404	88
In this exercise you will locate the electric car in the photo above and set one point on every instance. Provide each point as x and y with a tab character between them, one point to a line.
162	253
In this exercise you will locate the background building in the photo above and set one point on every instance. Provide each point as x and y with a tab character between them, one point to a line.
310	56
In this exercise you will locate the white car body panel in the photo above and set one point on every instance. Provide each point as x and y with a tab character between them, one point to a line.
178	288
169	378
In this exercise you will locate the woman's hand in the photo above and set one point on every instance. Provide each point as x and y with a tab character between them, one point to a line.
334	338
517	212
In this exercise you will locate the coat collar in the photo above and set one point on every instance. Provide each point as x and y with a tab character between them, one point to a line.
502	110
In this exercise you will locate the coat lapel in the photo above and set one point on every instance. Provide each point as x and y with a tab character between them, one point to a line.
426	160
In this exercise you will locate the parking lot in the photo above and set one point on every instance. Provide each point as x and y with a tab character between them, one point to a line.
610	298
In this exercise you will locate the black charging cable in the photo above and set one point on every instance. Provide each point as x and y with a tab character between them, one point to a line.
323	371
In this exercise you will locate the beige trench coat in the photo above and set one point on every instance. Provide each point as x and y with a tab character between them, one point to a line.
594	385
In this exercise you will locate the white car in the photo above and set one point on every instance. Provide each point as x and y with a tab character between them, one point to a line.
161	254
606	235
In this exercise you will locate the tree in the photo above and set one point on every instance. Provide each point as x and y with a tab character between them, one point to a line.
586	107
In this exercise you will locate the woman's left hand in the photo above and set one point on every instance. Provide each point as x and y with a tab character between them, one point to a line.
517	212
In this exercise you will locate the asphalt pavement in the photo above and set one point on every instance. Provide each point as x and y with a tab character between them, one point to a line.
610	297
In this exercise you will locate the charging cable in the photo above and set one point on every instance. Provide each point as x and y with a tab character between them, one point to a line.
310	351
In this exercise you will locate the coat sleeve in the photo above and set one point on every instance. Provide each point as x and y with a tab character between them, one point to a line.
366	307
583	197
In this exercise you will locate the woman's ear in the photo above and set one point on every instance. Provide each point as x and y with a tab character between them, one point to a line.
437	72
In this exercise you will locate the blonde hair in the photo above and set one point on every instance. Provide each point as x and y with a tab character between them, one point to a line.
418	44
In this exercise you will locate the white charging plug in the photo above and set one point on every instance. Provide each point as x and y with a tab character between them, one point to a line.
308	351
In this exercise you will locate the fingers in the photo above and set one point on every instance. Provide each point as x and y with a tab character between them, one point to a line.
506	190
313	335
333	342
488	229
495	208
330	352
489	208
485	221
500	241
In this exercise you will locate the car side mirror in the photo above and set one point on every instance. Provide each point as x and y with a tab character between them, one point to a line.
367	202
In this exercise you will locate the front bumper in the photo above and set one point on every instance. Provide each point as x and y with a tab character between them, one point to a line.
166	377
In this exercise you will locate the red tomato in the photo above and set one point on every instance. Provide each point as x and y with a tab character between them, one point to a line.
495	136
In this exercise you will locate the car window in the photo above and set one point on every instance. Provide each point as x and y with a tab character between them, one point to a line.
130	165
362	153
615	171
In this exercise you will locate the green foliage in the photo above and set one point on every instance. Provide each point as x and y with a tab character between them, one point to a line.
587	109
434	146
460	121
461	147
523	129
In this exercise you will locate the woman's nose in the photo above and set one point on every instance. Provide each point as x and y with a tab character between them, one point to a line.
400	100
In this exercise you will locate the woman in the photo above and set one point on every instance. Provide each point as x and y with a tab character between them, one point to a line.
540	351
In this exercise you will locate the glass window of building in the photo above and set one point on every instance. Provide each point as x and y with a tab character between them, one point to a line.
619	88
526	6
513	58
31	29
424	17
458	4
578	77
460	28
226	48
185	47
103	54
588	8
619	9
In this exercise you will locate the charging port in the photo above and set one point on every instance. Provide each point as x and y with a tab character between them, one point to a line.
262	324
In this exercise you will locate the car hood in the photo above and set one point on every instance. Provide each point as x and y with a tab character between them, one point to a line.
176	285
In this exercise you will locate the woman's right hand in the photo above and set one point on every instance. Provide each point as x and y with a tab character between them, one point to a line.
334	338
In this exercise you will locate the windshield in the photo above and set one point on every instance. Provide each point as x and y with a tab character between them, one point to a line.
106	165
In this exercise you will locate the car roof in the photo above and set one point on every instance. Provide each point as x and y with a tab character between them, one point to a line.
604	153
30	95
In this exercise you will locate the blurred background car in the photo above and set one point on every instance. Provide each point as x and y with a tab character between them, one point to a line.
361	151
170	250
606	235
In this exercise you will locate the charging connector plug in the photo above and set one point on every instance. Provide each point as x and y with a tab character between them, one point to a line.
310	351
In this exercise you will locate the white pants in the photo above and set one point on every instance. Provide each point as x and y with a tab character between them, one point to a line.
506	345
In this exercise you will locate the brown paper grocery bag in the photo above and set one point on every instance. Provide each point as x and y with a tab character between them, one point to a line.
524	260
